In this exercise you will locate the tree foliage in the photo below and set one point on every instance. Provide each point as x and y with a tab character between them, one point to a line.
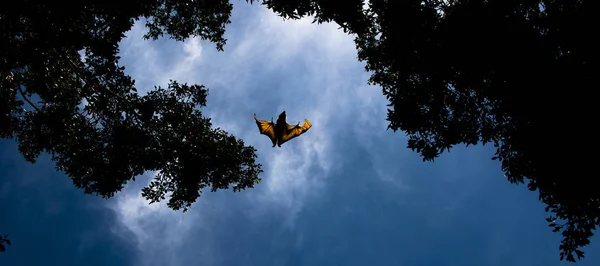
514	73
4	241
86	113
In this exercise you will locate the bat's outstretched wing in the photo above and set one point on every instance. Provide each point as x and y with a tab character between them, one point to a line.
266	128
294	131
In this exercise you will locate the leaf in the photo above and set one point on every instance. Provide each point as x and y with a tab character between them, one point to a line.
579	254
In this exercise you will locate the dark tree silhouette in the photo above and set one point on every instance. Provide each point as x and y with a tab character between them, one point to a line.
515	73
4	241
86	113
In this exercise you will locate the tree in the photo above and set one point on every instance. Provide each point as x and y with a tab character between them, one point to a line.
86	113
514	73
4	241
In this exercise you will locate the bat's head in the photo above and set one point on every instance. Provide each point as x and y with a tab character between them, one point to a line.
281	119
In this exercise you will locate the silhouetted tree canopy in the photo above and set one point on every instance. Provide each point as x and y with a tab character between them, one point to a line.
513	73
86	113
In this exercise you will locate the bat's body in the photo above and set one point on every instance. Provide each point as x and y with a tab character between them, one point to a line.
281	132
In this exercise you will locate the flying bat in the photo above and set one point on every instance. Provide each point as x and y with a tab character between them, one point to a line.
281	132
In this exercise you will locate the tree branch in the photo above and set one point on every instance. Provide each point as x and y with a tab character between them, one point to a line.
80	77
27	99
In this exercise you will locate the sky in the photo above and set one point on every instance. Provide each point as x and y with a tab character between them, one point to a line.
348	192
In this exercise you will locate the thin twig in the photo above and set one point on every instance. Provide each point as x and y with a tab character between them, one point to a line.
27	99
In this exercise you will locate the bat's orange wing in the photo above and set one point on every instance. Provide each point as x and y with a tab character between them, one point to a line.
266	128
295	131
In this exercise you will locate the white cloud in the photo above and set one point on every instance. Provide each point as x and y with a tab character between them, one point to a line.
159	233
309	70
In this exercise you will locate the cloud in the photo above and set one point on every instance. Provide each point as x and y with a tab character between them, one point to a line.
156	231
269	65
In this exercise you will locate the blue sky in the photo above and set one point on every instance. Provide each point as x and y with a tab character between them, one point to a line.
348	192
